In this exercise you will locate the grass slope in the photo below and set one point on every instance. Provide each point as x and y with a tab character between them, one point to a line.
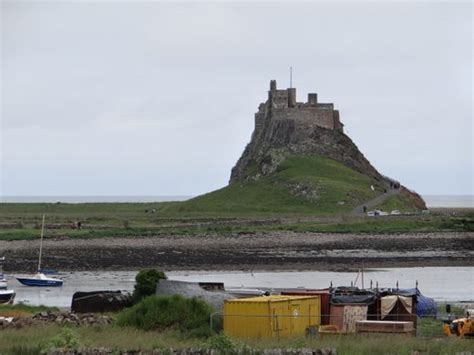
302	184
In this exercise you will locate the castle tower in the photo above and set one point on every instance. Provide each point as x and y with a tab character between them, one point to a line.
273	85
312	99
282	106
291	97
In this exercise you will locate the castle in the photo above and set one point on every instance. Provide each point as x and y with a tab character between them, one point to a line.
282	105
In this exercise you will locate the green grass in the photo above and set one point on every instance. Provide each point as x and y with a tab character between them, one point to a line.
381	225
404	202
391	224
23	308
114	337
301	185
189	315
396	202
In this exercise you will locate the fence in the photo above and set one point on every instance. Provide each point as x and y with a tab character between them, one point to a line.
428	326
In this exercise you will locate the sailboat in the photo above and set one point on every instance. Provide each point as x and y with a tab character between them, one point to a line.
40	279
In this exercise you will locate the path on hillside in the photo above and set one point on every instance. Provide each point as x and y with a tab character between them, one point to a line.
375	201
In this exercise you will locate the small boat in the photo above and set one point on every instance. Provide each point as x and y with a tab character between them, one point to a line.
6	296
40	279
241	292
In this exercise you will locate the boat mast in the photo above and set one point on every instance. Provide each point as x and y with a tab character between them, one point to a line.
41	245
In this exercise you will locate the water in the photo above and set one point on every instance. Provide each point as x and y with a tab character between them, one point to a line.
90	199
449	201
442	283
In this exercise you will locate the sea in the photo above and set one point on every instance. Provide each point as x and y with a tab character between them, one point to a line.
457	282
432	201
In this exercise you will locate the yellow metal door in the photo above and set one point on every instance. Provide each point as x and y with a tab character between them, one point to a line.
279	319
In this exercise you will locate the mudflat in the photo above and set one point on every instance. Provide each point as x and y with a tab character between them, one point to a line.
246	251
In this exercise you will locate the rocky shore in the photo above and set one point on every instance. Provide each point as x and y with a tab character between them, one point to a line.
260	251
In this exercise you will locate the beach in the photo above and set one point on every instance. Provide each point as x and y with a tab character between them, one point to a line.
253	251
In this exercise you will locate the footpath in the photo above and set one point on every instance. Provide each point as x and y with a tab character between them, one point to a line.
375	201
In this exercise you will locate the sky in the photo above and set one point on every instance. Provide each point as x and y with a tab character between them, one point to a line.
158	98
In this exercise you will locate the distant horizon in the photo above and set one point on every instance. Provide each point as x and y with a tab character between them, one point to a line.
432	201
169	195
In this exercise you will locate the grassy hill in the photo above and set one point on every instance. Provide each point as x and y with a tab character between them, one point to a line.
301	185
310	186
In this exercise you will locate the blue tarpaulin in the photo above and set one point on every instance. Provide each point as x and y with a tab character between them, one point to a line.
425	307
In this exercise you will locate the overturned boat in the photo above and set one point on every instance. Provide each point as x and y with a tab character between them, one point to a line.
6	295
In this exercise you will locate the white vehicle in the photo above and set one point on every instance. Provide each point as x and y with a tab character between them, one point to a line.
375	213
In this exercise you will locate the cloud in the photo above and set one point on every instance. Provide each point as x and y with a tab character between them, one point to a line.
158	97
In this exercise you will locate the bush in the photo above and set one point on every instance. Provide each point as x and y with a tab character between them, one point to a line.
65	340
188	315
221	343
146	281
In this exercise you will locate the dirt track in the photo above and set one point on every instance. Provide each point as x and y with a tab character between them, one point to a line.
269	251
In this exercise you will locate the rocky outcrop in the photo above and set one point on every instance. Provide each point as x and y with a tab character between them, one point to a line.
284	127
283	138
61	318
311	128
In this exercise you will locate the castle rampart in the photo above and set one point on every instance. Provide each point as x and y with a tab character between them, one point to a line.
282	105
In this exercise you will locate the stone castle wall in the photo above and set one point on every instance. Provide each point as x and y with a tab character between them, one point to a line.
284	126
282	105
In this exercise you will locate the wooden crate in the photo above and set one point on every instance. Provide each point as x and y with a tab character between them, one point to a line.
373	326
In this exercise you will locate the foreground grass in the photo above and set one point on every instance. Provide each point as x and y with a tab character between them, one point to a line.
114	337
21	308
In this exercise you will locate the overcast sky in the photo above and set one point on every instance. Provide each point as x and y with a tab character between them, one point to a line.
150	98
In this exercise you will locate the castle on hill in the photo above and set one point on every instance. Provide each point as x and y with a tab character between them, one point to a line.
282	105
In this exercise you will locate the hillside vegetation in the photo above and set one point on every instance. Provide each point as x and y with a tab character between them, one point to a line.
301	184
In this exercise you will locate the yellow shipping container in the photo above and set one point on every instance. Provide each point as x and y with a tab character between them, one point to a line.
271	316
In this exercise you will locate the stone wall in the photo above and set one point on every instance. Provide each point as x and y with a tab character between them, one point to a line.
307	116
283	105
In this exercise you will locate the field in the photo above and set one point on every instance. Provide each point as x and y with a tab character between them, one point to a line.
305	194
22	221
13	341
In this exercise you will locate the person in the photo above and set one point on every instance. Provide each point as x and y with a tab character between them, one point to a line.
365	209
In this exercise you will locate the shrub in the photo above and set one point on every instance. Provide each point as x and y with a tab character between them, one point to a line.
65	340
221	343
146	281
188	315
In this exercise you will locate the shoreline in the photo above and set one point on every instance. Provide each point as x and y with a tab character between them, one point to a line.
243	252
